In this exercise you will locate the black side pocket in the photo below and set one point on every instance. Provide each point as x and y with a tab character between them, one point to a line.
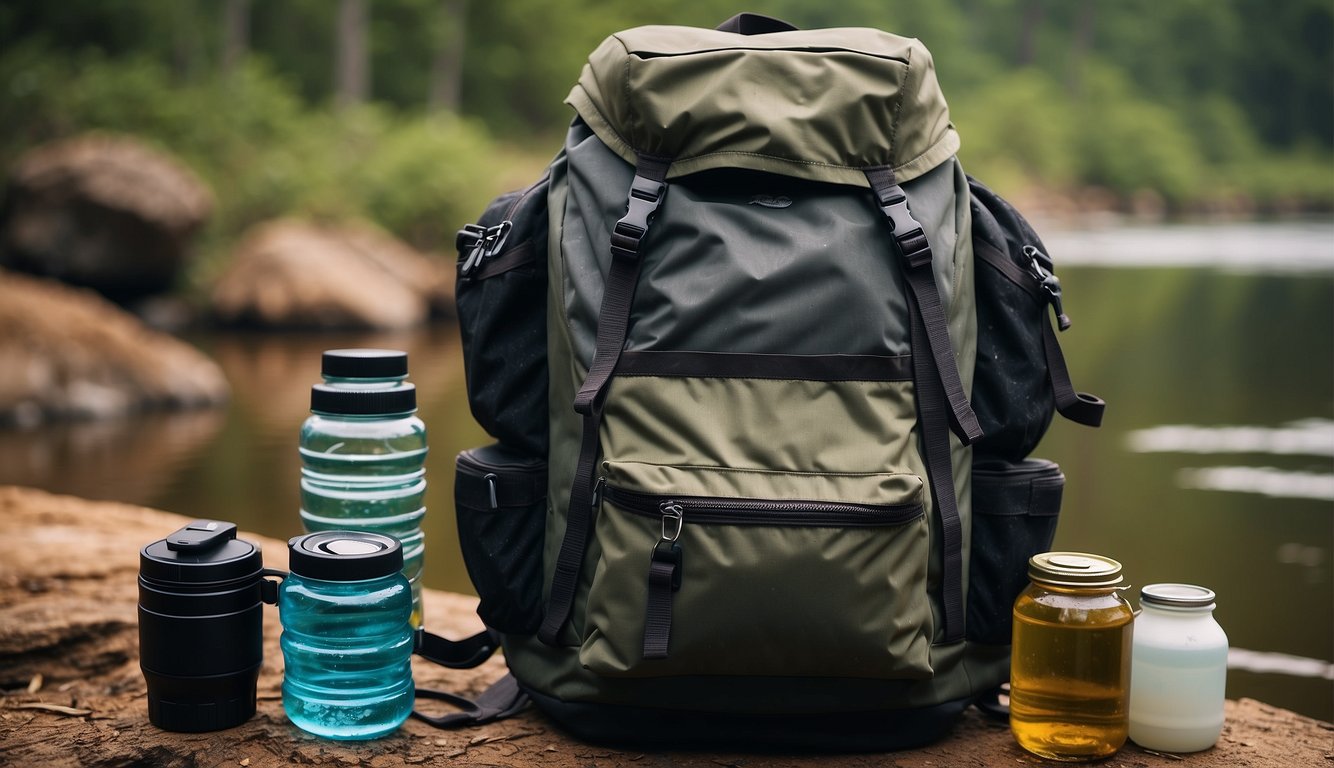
502	304
1015	508
500	500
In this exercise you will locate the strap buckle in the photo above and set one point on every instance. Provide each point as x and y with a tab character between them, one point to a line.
645	197
908	232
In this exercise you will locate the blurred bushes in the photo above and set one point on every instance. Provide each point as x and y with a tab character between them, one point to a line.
1047	95
264	152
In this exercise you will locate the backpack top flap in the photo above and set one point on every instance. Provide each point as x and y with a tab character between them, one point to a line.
816	104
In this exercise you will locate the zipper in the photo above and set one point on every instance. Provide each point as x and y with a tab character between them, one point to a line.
1041	266
490	473
675	511
484	242
1038	280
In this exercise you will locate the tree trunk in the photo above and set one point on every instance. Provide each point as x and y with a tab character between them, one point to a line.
352	62
1034	13
447	66
235	33
1081	42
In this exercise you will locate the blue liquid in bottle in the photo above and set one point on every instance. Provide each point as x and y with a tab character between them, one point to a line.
347	640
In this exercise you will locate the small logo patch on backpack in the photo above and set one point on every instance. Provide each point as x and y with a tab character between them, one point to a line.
771	201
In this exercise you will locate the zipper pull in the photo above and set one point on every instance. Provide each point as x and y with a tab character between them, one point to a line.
597	492
672	514
1041	266
668	549
482	242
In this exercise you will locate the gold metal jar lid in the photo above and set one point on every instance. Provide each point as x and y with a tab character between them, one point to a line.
1074	569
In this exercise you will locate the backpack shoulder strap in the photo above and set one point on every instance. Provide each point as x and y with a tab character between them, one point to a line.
941	401
646	193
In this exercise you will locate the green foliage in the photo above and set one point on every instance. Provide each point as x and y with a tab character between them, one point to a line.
253	141
1198	101
1019	132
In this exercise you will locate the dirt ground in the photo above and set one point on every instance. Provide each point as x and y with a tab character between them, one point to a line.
74	695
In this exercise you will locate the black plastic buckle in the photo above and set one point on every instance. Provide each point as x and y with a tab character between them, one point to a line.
908	232
645	197
481	243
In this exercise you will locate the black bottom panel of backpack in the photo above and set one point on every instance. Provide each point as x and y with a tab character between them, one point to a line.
646	727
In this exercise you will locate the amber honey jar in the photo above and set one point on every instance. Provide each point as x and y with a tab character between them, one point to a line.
1070	664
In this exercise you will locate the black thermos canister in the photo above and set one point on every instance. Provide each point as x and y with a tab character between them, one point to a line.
200	627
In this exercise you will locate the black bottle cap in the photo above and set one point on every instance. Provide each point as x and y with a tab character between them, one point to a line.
203	552
363	402
344	555
364	363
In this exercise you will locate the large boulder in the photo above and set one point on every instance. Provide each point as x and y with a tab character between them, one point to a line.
104	212
296	274
67	352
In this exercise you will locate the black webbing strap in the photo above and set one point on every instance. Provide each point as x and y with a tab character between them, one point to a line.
932	410
942	404
658	614
646	194
456	654
916	254
1079	407
502	699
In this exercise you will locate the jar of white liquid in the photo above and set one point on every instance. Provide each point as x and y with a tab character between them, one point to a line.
1178	670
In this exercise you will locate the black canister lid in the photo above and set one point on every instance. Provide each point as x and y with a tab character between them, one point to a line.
363	402
203	552
364	363
344	555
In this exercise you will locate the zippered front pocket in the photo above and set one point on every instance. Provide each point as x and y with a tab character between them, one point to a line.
701	582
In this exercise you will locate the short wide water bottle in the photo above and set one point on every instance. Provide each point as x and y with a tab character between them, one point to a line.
346	641
363	451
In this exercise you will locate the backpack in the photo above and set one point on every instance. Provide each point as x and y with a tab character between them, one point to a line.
740	493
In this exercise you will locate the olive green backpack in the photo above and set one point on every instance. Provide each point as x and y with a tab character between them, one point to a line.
727	345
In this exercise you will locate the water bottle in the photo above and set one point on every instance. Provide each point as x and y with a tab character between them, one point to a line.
347	641
200	627
362	454
1178	670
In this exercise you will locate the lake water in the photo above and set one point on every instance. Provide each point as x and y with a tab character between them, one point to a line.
1214	347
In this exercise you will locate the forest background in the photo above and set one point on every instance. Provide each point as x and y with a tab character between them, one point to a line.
414	112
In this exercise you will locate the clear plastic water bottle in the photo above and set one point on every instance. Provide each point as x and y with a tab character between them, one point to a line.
347	642
363	451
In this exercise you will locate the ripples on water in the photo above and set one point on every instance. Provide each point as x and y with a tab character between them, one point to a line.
1308	437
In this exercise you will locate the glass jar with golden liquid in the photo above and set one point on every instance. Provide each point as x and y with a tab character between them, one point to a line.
1070	663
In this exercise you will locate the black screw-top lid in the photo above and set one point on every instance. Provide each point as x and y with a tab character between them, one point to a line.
344	555
363	402
203	552
364	363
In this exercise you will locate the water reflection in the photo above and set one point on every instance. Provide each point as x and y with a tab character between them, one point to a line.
128	459
1307	437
